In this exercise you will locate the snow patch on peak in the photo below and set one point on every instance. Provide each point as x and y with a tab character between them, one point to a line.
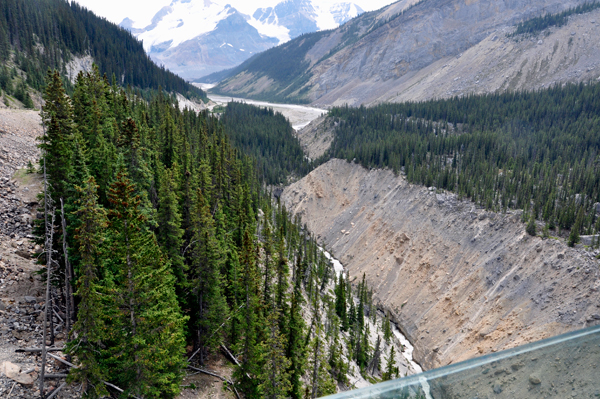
343	12
182	21
270	27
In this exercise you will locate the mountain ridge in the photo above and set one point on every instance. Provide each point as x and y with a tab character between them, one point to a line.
185	36
38	35
405	52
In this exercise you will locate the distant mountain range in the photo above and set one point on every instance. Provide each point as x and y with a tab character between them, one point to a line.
197	38
415	50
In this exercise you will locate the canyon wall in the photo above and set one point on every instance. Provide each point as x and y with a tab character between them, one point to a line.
459	280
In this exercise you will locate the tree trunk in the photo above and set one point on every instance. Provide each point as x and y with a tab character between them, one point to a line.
69	303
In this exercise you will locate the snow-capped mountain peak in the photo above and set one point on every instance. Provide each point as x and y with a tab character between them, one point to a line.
182	20
223	37
344	12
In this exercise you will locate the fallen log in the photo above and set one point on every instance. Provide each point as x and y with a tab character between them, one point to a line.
104	382
62	375
57	390
34	350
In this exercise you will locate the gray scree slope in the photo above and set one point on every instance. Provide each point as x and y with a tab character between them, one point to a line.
460	281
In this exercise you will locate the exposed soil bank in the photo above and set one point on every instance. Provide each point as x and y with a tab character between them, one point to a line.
459	281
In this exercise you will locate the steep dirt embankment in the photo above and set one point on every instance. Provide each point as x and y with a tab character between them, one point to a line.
317	136
460	281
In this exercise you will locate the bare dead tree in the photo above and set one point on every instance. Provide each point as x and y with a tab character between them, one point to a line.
49	236
69	308
47	307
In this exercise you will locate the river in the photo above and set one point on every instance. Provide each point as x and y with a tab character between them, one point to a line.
298	115
407	353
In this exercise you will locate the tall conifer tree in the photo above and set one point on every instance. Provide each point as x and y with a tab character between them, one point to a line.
148	330
89	330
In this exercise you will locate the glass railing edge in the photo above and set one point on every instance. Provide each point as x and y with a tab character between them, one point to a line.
451	369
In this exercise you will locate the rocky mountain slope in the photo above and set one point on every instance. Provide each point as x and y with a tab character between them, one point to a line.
194	39
459	281
433	49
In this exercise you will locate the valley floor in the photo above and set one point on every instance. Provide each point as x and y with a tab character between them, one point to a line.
298	115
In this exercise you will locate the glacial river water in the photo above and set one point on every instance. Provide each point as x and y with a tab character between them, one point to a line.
408	347
298	115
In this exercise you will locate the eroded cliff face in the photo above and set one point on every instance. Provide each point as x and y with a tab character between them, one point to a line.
459	280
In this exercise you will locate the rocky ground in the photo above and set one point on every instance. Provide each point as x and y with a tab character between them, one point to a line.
21	288
317	136
460	281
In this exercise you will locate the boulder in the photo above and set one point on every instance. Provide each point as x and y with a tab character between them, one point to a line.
25	218
534	379
23	253
13	372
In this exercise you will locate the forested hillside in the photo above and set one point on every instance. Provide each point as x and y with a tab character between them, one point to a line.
537	151
37	35
168	241
269	138
538	24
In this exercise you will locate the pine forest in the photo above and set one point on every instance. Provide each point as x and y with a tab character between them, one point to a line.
37	35
537	151
164	250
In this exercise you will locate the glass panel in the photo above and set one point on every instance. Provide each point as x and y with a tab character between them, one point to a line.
566	366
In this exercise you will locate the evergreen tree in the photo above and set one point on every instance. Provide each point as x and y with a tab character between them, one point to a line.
275	376
169	232
281	289
390	368
574	235
207	258
295	341
387	329
252	355
374	363
339	368
321	381
5	79
56	143
147	330
340	302
531	227
89	330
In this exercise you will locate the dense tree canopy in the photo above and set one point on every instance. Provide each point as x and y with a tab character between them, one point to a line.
174	243
48	33
538	151
269	138
538	24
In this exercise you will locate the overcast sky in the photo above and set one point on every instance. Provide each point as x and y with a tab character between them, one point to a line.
144	10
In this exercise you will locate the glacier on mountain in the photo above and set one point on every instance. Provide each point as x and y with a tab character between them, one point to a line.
187	36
